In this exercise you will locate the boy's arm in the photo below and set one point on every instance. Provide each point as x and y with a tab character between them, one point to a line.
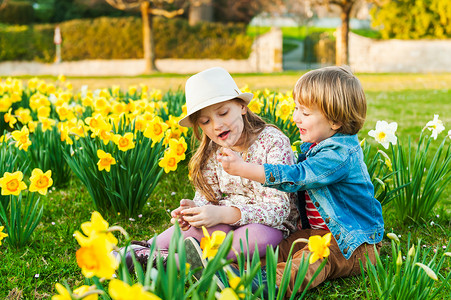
233	164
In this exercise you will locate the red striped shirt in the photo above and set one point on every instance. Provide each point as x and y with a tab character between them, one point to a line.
314	218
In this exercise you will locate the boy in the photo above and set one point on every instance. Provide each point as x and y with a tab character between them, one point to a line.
335	193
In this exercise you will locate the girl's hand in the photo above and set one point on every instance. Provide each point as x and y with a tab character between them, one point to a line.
211	215
231	162
176	214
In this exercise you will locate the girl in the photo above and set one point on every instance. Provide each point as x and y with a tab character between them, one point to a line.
223	202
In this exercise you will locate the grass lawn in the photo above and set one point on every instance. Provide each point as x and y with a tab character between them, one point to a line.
409	99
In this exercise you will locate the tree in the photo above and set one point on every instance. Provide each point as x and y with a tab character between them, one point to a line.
426	19
342	46
3	3
150	8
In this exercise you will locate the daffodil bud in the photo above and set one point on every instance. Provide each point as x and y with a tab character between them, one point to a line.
393	237
428	271
399	260
411	251
447	253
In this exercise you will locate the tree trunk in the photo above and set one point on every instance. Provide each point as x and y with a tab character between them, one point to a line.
148	41
342	57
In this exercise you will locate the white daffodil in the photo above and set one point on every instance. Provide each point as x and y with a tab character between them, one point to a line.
449	134
385	133
436	126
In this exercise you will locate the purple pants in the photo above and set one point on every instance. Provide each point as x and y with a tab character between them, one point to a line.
262	234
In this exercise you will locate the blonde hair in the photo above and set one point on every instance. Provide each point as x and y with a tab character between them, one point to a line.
253	125
337	93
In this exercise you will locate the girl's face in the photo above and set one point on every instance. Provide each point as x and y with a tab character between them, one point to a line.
313	126
223	123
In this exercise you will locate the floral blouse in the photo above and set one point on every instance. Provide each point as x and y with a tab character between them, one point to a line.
258	204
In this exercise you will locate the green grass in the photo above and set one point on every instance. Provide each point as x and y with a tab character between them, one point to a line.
298	33
410	100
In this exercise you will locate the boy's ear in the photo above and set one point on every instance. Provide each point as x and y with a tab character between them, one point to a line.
335	125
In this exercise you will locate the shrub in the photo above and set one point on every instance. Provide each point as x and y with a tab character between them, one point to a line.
17	12
121	38
27	43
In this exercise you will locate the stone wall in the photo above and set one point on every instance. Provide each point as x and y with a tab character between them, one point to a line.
418	56
266	56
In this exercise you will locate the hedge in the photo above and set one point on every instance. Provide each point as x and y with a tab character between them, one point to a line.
121	38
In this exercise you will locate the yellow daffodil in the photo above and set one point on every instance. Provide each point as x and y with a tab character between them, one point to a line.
12	184
21	138
87	101
284	109
44	111
9	118
179	147
169	161
64	112
155	129
95	256
210	245
83	290
5	103
234	282
319	246
40	181
105	160
63	293
124	142
61	78
120	290
102	106
256	105
106	134
23	115
97	225
132	89
2	234
228	294
46	123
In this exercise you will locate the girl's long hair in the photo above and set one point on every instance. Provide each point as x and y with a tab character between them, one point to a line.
253	125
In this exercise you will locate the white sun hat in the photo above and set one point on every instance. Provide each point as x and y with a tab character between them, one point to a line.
210	87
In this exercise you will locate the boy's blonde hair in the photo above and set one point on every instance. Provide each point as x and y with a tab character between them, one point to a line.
337	93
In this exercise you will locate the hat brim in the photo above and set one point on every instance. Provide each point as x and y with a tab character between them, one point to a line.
185	122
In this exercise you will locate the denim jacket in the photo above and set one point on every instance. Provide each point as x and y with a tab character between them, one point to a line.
337	180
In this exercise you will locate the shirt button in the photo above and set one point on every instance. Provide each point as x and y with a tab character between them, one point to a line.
327	220
271	177
317	204
337	237
345	251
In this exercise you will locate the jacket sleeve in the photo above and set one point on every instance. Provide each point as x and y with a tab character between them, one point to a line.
329	165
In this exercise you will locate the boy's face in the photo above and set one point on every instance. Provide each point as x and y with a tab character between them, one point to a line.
313	126
223	123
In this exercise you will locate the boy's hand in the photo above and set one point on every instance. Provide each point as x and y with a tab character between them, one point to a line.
231	162
176	214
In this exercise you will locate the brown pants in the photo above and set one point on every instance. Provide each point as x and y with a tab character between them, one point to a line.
337	265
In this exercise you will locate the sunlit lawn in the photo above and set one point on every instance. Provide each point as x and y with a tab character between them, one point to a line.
410	100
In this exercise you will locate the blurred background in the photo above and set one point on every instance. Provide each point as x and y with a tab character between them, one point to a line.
132	37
